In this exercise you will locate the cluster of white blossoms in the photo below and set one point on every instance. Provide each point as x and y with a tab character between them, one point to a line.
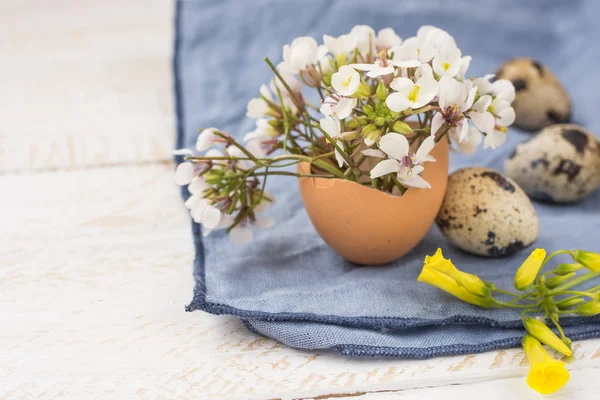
384	101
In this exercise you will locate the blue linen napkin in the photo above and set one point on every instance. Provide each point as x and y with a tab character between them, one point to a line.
287	284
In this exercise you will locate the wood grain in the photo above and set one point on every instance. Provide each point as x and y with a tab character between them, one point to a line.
85	83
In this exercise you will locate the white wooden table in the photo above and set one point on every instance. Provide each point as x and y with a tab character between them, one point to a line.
95	244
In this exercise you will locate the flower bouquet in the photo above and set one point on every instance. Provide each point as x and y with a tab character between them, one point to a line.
382	112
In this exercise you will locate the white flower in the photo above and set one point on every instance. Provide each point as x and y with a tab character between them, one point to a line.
346	81
435	37
483	84
411	95
301	52
494	139
337	106
203	212
454	98
465	62
365	38
481	117
255	147
387	38
206	139
263	130
184	173
504	113
380	67
242	233
447	62
341	45
407	167
333	129
469	142
419	49
503	89
257	107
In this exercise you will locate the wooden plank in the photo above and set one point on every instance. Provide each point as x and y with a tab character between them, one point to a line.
85	83
96	270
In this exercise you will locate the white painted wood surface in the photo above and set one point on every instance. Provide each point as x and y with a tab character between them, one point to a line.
95	262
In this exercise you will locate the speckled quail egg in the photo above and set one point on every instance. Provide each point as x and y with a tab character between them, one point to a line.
540	98
560	165
487	214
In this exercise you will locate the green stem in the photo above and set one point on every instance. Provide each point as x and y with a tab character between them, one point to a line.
284	83
573	282
578	293
553	255
236	144
335	145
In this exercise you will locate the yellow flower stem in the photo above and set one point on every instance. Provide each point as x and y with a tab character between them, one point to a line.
573	282
506	292
578	293
560	329
554	254
530	307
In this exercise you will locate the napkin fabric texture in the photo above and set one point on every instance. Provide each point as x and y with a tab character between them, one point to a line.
287	284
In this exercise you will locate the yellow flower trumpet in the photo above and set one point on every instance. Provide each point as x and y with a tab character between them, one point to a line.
541	332
529	270
546	375
441	273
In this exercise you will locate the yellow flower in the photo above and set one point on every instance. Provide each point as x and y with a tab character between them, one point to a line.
541	332
529	270
588	259
442	274
589	309
470	282
546	375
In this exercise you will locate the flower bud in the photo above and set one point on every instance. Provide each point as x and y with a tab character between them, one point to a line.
381	92
367	129
565	269
589	309
568	303
588	259
402	128
364	90
368	109
557	280
541	332
372	136
449	285
380	121
529	270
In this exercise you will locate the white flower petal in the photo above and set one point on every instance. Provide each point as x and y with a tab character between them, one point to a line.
345	107
394	145
264	222
211	216
374	153
184	173
507	117
339	158
463	130
402	85
385	167
483	120
494	140
436	123
241	234
398	102
331	126
417	182
364	67
483	103
470	143
256	108
183	152
198	185
424	149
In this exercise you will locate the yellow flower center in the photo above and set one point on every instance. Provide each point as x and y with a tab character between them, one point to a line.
418	52
503	129
412	96
347	82
446	65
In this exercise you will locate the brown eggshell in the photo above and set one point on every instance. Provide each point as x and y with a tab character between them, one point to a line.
370	227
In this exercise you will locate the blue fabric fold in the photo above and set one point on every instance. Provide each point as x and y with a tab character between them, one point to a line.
287	284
